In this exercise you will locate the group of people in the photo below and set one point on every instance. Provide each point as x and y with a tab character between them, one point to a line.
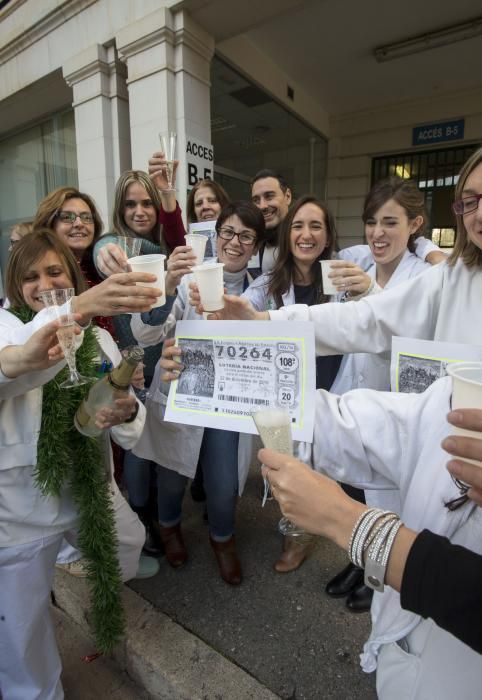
383	448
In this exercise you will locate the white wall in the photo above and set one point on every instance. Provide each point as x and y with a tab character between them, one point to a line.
358	137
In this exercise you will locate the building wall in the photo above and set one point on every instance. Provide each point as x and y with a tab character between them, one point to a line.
358	137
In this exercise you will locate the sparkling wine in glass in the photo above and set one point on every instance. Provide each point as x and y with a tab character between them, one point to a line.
274	428
57	298
168	144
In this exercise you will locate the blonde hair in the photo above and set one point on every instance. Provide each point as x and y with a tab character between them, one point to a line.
131	177
22	228
463	248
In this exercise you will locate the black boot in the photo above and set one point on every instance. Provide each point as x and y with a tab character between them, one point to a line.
360	599
153	546
345	581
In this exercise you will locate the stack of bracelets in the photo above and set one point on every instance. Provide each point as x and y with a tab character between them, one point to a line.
371	542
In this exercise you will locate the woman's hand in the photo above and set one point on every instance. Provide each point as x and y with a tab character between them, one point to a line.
109	416
172	367
116	295
157	170
311	500
179	263
348	277
111	260
41	351
468	448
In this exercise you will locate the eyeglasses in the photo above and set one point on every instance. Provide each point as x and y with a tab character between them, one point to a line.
244	237
467	204
71	216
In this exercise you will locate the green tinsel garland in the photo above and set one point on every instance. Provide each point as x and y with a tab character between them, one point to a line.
65	456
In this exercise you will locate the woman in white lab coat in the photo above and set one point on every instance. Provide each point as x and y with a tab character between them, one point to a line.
394	216
373	439
442	304
224	455
40	489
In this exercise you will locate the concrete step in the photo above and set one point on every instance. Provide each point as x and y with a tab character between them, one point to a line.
159	656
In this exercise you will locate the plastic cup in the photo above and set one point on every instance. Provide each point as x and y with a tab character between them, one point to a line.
154	264
328	286
198	243
130	246
466	393
210	281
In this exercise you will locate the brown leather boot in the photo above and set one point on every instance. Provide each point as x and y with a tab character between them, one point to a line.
228	562
293	555
174	547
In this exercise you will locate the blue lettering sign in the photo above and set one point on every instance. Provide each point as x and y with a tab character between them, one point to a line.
436	133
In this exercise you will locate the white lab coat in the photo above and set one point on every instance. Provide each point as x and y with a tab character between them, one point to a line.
442	304
173	445
32	526
374	439
25	514
365	370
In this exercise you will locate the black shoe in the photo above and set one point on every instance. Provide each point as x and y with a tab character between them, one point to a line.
153	546
345	581
198	493
360	599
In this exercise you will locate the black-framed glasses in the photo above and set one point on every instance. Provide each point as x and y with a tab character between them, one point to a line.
467	204
70	217
244	237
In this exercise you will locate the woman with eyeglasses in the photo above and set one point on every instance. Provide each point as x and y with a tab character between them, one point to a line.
74	217
443	304
224	455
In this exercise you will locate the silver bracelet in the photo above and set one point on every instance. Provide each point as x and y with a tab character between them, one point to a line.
363	532
355	528
378	554
357	532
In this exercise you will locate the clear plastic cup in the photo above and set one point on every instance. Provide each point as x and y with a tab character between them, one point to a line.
466	393
198	243
154	265
328	286
210	282
130	246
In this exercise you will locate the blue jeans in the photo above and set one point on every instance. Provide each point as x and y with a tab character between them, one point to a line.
138	476
219	461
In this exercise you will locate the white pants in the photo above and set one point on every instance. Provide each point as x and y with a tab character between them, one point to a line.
130	535
29	660
434	666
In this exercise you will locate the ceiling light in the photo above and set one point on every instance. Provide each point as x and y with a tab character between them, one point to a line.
430	40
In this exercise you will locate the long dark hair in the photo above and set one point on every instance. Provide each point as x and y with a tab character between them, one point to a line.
283	273
405	193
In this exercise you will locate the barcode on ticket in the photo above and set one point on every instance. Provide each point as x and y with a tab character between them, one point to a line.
243	399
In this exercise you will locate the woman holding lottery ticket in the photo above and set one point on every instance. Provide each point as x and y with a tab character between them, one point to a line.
224	455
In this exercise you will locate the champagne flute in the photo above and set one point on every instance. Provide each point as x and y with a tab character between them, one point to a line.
168	144
56	298
274	428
